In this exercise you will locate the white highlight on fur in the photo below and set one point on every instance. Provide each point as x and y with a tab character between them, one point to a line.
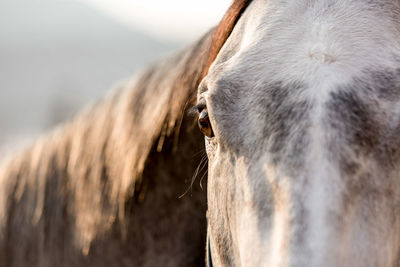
281	188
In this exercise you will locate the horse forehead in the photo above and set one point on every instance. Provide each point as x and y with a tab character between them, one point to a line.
294	40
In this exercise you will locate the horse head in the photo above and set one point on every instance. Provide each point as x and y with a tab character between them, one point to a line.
300	112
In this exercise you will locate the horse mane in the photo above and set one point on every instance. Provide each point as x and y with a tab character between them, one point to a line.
87	168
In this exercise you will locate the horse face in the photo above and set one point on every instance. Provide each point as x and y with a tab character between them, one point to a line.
301	112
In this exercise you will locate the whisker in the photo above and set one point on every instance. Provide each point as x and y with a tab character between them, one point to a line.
199	152
201	179
200	167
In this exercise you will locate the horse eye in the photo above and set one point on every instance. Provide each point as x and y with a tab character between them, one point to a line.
204	124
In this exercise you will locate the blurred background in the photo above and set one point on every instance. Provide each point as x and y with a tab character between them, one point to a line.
58	55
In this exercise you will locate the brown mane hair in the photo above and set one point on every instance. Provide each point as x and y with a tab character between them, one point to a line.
71	187
224	30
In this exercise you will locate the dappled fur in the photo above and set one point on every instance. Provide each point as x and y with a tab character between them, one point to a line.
304	162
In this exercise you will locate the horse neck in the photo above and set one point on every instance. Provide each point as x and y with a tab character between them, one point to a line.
71	188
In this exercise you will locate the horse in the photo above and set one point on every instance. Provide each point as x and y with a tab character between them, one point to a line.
300	112
297	105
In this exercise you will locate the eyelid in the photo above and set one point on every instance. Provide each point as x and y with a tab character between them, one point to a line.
198	108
